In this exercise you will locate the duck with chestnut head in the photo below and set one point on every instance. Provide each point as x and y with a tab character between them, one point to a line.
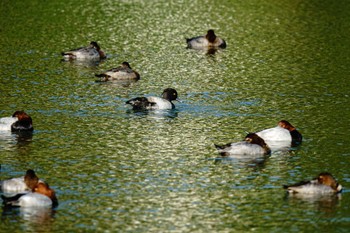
91	52
252	145
20	121
324	183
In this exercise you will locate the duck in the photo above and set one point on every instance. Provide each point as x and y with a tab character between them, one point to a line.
284	132
152	102
122	72
91	52
40	196
19	121
324	183
20	184
210	40
252	145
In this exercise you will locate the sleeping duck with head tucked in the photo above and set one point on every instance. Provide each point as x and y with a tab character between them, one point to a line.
154	102
18	122
205	42
122	72
253	145
324	183
91	52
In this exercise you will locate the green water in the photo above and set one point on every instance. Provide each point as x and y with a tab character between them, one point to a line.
118	171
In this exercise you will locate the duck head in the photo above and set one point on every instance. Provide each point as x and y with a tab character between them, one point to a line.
30	179
93	44
126	65
326	178
169	94
24	122
285	124
210	36
44	189
253	138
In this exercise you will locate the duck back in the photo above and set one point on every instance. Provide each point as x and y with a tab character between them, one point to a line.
240	148
6	122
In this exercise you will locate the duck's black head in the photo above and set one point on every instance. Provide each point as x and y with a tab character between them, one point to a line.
126	64
169	94
211	35
95	45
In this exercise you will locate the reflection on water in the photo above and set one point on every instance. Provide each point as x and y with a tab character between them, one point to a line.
207	51
324	203
19	140
244	162
34	219
117	83
83	63
154	114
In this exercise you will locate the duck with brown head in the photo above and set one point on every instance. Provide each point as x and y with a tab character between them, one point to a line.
20	121
41	196
91	52
324	183
252	145
122	72
20	184
24	122
30	192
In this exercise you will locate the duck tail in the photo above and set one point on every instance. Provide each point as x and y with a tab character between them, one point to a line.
101	75
131	102
136	102
219	147
67	54
188	42
139	103
11	201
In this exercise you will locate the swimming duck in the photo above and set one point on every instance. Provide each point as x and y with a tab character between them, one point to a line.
324	183
20	184
41	196
91	52
20	121
210	40
152	102
283	132
252	145
123	72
